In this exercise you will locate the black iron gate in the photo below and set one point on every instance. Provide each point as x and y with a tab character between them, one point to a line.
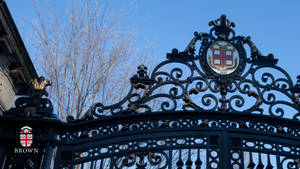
186	139
223	107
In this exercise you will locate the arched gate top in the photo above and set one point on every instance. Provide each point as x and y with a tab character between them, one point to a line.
214	73
219	103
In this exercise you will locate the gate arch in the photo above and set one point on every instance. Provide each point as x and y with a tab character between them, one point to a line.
216	106
205	110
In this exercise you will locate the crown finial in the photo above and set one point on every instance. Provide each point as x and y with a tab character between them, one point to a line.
221	27
222	22
298	81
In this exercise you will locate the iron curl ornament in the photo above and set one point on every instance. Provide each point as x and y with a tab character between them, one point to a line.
35	103
219	76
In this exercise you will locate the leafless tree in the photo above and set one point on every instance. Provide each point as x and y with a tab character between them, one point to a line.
85	53
86	56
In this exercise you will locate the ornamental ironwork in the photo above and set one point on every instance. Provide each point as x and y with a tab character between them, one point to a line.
212	105
220	78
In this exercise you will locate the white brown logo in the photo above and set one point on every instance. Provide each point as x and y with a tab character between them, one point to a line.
26	136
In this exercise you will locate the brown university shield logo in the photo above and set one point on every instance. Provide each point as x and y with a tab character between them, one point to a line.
222	57
26	136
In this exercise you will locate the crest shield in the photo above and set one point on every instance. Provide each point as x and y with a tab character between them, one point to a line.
26	136
222	57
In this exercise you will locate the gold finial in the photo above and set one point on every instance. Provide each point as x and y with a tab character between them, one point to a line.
40	83
222	22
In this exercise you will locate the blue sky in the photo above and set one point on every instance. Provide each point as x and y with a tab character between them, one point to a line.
273	25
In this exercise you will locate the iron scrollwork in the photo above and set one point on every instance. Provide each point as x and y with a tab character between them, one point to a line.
208	106
142	160
35	103
186	81
214	108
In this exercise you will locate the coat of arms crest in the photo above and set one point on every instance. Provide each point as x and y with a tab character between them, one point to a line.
26	136
222	57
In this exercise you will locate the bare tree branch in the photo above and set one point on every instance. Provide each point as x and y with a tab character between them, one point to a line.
85	54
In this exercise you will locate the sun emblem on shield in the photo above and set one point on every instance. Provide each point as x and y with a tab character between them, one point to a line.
222	57
26	136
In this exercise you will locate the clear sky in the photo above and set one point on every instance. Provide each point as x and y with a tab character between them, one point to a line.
273	25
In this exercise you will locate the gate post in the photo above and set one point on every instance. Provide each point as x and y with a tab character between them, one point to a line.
28	130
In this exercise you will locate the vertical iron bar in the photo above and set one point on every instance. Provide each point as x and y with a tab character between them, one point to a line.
4	162
101	163
207	153
57	158
170	158
278	158
225	148
92	164
2	154
47	156
111	162
242	158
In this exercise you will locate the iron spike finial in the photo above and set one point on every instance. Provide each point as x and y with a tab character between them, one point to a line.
141	78
296	88
142	71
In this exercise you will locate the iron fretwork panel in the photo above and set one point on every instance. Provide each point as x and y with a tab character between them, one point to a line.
180	140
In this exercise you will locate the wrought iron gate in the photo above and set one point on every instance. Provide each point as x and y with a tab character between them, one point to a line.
223	107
